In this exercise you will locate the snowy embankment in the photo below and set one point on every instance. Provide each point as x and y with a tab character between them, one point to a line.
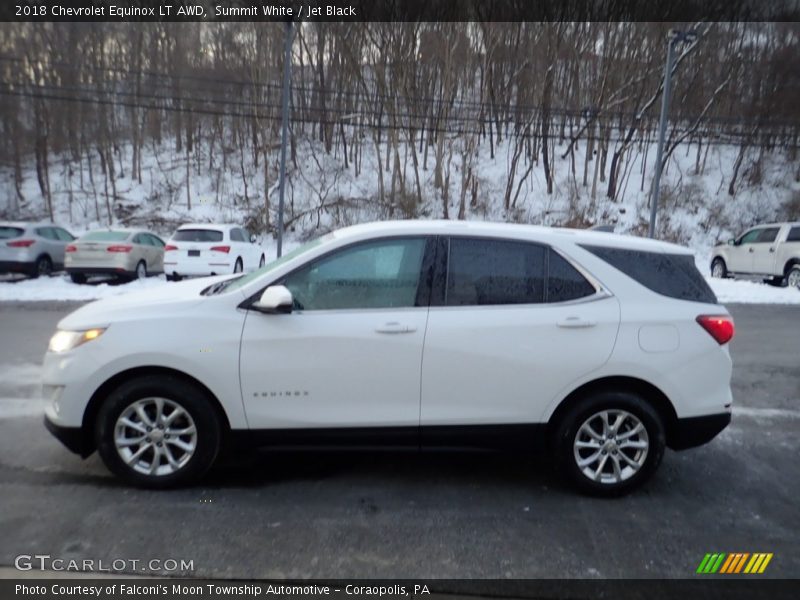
59	288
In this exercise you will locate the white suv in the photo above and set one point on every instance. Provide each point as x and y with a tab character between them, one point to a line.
428	334
201	249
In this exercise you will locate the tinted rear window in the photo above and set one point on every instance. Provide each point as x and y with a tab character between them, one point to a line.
197	235
673	275
794	235
6	233
486	271
105	236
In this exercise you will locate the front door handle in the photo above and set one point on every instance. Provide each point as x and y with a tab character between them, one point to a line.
395	327
750	250
576	323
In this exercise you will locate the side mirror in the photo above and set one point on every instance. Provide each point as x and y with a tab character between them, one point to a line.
276	299
252	238
731	242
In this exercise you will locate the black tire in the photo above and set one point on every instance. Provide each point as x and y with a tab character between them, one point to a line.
567	431
140	274
190	398
77	277
238	267
43	267
793	275
720	263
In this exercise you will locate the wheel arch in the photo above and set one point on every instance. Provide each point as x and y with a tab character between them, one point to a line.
645	390
792	262
102	392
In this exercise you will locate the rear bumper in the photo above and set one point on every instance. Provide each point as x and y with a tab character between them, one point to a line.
73	438
696	431
13	266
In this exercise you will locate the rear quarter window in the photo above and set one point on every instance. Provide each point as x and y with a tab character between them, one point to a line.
671	275
794	235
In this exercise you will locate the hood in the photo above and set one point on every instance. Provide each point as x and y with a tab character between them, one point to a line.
134	305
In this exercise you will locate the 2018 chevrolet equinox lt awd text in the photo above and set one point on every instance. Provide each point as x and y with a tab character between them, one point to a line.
603	349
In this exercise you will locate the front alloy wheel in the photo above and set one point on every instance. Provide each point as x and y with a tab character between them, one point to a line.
158	431
155	436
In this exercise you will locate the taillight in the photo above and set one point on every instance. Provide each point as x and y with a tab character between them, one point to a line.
224	249
720	327
20	243
71	248
120	248
169	247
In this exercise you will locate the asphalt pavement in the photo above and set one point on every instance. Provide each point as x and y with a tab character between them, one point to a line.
386	515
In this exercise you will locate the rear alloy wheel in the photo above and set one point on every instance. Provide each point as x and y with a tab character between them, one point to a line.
610	443
43	267
793	277
238	267
158	432
141	270
719	269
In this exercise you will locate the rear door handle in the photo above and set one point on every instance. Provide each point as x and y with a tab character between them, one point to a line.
750	250
395	327
576	323
772	249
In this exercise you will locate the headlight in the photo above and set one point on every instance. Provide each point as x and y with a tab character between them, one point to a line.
63	341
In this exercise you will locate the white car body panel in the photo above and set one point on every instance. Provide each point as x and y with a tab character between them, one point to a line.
473	365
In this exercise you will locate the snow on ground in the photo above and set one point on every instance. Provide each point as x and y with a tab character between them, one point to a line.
60	288
729	291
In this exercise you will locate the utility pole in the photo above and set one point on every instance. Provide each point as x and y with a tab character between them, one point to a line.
287	69
673	38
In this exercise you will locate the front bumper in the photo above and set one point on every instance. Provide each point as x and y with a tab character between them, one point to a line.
74	438
696	431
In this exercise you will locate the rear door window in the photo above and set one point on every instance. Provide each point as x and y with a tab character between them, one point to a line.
237	235
768	235
63	234
672	275
197	235
494	272
47	233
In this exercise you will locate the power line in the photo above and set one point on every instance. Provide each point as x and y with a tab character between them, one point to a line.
303	120
424	102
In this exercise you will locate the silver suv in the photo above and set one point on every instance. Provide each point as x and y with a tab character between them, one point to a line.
32	248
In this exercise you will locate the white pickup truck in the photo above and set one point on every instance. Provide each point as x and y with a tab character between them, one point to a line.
770	252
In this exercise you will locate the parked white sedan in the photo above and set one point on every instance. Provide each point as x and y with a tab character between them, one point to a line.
202	249
604	348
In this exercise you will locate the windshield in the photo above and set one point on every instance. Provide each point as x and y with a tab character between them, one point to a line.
105	236
197	235
234	284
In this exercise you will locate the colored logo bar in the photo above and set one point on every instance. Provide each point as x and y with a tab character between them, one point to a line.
734	562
